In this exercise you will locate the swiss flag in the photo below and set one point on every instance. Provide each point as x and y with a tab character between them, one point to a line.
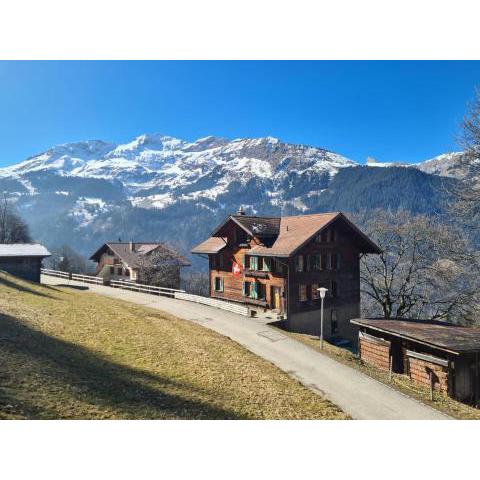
236	269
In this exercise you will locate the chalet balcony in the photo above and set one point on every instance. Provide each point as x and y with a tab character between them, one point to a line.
261	302
256	273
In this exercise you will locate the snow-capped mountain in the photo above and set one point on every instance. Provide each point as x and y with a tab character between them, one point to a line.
454	164
94	191
157	170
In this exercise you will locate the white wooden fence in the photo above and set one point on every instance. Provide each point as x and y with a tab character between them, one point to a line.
152	290
87	279
54	273
213	302
138	287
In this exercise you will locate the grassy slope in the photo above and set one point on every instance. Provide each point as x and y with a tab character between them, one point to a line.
71	354
399	382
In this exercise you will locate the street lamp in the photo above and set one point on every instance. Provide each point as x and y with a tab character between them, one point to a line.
322	291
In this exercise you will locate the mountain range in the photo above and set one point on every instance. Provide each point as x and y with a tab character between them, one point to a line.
162	188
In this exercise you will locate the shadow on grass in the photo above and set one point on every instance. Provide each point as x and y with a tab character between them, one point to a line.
54	366
73	287
4	280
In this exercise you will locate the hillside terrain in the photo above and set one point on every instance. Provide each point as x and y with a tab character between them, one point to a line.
162	188
68	354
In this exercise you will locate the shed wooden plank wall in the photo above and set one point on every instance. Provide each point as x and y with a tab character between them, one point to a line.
419	371
376	353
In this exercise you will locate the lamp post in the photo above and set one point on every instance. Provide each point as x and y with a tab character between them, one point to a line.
322	291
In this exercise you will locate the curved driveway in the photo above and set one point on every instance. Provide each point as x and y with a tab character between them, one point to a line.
357	394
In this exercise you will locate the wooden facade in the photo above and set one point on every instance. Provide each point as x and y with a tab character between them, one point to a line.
281	273
23	260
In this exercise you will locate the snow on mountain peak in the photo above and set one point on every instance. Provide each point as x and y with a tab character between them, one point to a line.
155	164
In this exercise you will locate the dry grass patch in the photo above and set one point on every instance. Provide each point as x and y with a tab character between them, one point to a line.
77	355
400	382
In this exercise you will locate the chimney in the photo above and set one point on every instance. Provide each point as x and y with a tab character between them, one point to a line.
131	246
241	211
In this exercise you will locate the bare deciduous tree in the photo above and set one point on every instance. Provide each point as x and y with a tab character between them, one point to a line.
160	267
12	228
196	283
467	194
66	259
426	269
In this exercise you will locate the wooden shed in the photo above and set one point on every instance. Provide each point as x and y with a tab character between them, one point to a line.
440	355
24	260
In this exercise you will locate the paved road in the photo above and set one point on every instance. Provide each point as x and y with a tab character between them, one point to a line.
357	394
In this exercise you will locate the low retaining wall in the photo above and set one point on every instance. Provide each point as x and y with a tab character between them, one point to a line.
222	304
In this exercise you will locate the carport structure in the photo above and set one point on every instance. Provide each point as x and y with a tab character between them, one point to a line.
440	355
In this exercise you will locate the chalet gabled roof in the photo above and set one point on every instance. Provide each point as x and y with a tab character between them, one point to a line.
23	250
210	245
134	258
285	235
258	226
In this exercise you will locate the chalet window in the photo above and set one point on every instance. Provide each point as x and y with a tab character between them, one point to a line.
244	261
317	265
119	270
261	290
315	292
220	260
302	293
309	263
267	264
324	236
253	263
335	261
333	288
299	263
333	322
214	261
254	290
246	289
218	284
324	261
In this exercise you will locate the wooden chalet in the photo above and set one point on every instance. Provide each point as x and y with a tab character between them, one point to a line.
438	355
24	260
125	260
278	263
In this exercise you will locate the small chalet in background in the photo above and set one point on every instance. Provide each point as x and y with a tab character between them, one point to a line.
24	260
127	261
278	263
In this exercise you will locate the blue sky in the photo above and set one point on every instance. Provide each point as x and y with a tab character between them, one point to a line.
392	111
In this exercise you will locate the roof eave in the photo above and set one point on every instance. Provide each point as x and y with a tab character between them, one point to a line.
408	337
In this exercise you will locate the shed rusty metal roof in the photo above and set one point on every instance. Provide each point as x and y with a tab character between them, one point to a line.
441	335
